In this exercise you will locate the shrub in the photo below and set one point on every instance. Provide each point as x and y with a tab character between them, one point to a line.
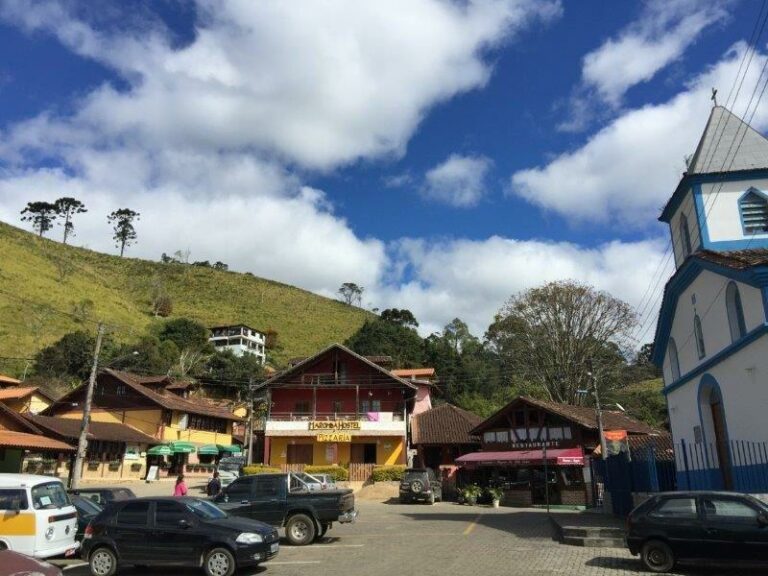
339	474
260	469
388	473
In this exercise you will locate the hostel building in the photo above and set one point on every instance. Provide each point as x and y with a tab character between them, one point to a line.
338	407
519	439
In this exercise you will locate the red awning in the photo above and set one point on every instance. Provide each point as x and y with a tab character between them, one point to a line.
556	456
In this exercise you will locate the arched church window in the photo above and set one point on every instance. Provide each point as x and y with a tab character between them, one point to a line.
685	236
699	335
735	312
674	362
754	212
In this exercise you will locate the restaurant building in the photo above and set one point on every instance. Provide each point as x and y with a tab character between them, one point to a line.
529	440
337	407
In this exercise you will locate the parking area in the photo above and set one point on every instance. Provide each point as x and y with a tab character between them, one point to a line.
421	540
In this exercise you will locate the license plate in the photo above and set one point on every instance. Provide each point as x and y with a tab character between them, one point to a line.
70	552
274	547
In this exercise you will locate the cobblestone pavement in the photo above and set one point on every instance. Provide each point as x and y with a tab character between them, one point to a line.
421	540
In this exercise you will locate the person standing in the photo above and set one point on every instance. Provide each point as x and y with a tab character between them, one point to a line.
214	485
181	488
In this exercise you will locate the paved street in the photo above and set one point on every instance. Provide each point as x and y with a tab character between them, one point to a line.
420	540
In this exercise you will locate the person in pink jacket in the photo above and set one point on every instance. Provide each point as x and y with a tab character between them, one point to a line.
181	487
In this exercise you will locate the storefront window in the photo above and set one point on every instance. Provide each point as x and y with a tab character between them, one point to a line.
572	476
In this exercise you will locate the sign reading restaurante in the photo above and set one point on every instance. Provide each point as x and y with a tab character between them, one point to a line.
335	425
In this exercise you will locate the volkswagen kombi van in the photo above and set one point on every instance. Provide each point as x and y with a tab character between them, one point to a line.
36	516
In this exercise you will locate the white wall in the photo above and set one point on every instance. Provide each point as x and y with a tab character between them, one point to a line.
721	200
688	208
707	287
742	380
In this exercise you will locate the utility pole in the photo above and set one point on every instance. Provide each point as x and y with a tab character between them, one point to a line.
603	446
82	443
250	421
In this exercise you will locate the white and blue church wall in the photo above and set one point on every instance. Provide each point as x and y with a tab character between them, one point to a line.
684	229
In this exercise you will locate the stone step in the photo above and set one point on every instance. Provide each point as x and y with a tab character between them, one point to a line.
594	542
592	532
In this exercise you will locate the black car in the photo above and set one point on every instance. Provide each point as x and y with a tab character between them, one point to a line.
698	526
103	495
87	510
175	532
420	484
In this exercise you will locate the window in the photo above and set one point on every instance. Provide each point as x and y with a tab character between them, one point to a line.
699	337
730	511
685	236
502	436
674	362
49	495
753	207
489	437
240	489
679	508
735	312
168	514
521	433
375	405
13	500
197	422
301	407
134	514
267	487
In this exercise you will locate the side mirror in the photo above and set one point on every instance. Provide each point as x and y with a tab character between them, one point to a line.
184	523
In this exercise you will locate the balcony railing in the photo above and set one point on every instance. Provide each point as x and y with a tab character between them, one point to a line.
336	416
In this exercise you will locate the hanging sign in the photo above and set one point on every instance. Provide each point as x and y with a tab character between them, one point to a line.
335	425
616	442
334	437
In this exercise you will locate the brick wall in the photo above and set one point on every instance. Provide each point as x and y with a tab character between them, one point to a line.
576	497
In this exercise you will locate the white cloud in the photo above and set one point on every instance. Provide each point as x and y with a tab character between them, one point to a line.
458	181
628	170
321	86
661	35
472	279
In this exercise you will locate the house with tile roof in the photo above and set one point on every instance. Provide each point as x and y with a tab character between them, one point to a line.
192	434
711	339
25	399
19	438
442	434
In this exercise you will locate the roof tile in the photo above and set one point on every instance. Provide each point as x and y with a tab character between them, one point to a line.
445	424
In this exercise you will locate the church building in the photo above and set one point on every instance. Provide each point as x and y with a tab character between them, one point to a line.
712	336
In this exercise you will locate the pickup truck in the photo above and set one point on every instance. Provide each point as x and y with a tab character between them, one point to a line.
284	501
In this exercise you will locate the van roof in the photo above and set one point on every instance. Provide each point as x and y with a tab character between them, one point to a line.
27	479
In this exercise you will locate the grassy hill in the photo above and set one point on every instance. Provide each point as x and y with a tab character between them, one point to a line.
51	278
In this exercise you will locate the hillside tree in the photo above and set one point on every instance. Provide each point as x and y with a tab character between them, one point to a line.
402	317
351	293
41	215
563	337
379	337
122	222
66	208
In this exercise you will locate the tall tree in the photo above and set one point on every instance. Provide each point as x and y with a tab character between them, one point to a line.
69	358
376	337
402	317
185	333
122	221
66	208
41	214
563	337
351	293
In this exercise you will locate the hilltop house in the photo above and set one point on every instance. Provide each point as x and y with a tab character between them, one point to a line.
240	339
712	336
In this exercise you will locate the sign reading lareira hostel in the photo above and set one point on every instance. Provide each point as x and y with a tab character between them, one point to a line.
334	437
335	425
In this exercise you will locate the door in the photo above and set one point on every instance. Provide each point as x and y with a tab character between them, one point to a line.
678	519
177	536
268	500
721	440
132	532
369	453
300	454
732	529
236	498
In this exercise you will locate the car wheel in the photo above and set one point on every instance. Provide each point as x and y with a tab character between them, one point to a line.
300	530
219	562
417	486
657	556
103	562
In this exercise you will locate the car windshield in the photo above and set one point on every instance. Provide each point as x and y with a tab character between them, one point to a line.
49	495
415	475
86	507
205	510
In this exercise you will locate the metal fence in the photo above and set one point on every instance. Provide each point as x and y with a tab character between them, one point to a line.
738	465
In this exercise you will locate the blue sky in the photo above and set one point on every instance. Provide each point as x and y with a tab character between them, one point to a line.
444	155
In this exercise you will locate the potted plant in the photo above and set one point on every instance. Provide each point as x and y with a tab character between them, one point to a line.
471	493
495	495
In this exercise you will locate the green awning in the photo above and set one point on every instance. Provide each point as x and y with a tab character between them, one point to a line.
160	450
231	448
208	449
182	447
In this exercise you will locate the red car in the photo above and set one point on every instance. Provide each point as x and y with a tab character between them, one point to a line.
15	564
